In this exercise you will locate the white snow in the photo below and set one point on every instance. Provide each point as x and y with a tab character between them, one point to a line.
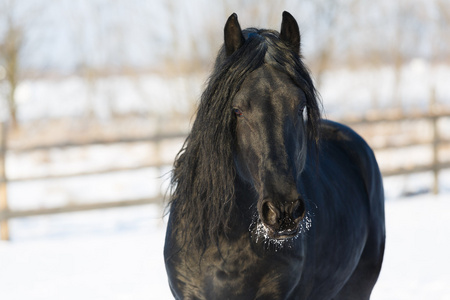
117	254
111	254
416	264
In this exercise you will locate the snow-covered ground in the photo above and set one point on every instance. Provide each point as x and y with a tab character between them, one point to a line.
416	263
110	254
117	254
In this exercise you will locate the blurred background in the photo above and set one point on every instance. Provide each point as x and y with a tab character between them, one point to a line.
97	96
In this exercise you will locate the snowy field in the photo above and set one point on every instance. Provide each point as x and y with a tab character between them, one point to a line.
117	254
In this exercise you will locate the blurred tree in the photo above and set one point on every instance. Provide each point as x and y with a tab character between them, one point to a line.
17	18
11	42
331	23
441	37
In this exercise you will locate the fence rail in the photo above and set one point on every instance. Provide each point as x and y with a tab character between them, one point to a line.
6	213
95	142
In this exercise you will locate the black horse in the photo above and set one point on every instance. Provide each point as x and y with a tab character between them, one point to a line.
269	201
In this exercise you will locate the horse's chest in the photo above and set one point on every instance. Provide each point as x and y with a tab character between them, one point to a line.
236	272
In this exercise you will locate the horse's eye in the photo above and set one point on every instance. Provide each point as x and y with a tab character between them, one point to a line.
300	111
237	112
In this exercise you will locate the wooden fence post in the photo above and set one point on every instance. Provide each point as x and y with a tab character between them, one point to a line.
4	229
435	142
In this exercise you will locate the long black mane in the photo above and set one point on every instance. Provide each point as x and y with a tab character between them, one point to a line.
203	182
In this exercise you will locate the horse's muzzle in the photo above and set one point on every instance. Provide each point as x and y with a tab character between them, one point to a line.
282	219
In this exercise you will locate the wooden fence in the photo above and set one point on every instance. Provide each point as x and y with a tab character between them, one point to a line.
5	213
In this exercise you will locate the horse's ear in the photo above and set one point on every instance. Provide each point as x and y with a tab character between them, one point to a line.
290	32
233	35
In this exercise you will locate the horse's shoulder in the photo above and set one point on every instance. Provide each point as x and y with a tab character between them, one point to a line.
330	130
338	136
344	136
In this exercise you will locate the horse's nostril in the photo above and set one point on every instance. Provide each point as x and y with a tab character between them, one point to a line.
270	213
299	209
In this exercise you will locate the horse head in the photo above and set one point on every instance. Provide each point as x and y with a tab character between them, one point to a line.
271	108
